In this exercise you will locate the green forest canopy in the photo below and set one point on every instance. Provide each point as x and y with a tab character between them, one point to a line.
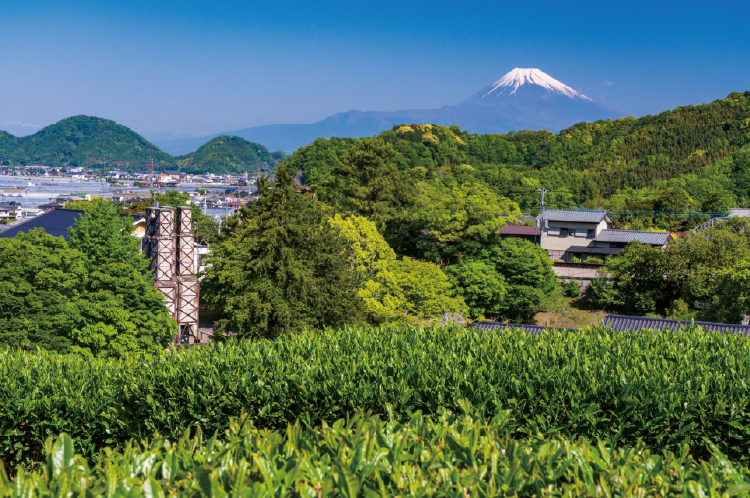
93	142
701	149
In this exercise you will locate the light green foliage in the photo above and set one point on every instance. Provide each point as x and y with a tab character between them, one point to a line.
367	250
481	287
459	220
280	267
463	454
172	198
393	291
621	387
425	290
81	205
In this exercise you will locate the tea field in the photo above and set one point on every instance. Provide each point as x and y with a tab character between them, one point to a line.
598	404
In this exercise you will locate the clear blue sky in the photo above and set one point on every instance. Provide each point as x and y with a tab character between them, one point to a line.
204	67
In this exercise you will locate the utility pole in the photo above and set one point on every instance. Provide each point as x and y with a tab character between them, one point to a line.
541	213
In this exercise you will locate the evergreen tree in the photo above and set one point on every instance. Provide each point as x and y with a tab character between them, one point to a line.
281	267
369	184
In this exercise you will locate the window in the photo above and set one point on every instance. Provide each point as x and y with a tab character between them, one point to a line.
591	233
617	245
553	231
581	232
563	232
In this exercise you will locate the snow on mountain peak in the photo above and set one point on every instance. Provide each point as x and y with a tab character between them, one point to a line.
511	82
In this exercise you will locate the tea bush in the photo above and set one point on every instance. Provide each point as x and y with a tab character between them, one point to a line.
666	389
444	455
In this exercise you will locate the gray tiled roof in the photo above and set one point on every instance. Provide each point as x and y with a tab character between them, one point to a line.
739	212
530	329
622	323
574	215
653	238
55	222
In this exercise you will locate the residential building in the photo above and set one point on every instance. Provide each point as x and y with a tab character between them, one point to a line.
623	323
170	175
532	234
27	212
57	222
50	205
562	229
610	242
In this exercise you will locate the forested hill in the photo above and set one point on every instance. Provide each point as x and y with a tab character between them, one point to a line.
226	155
93	142
696	150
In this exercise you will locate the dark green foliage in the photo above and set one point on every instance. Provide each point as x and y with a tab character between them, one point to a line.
39	274
281	268
57	297
571	289
480	285
699	270
367	183
527	270
465	454
584	164
225	155
93	142
665	389
82	141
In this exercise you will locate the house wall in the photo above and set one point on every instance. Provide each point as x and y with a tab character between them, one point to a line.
559	243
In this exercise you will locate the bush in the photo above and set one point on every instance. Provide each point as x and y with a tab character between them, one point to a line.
666	389
448	455
572	289
593	260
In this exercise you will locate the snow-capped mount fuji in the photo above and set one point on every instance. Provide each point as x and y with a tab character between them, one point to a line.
523	99
512	82
532	99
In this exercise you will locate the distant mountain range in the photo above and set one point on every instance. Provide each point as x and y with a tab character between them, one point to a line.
523	99
94	142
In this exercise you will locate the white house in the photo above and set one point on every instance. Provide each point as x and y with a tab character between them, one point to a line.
567	234
562	229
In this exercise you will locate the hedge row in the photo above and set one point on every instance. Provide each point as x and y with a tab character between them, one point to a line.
666	389
442	456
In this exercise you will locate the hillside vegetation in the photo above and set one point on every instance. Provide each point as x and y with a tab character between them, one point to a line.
93	142
695	149
226	155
